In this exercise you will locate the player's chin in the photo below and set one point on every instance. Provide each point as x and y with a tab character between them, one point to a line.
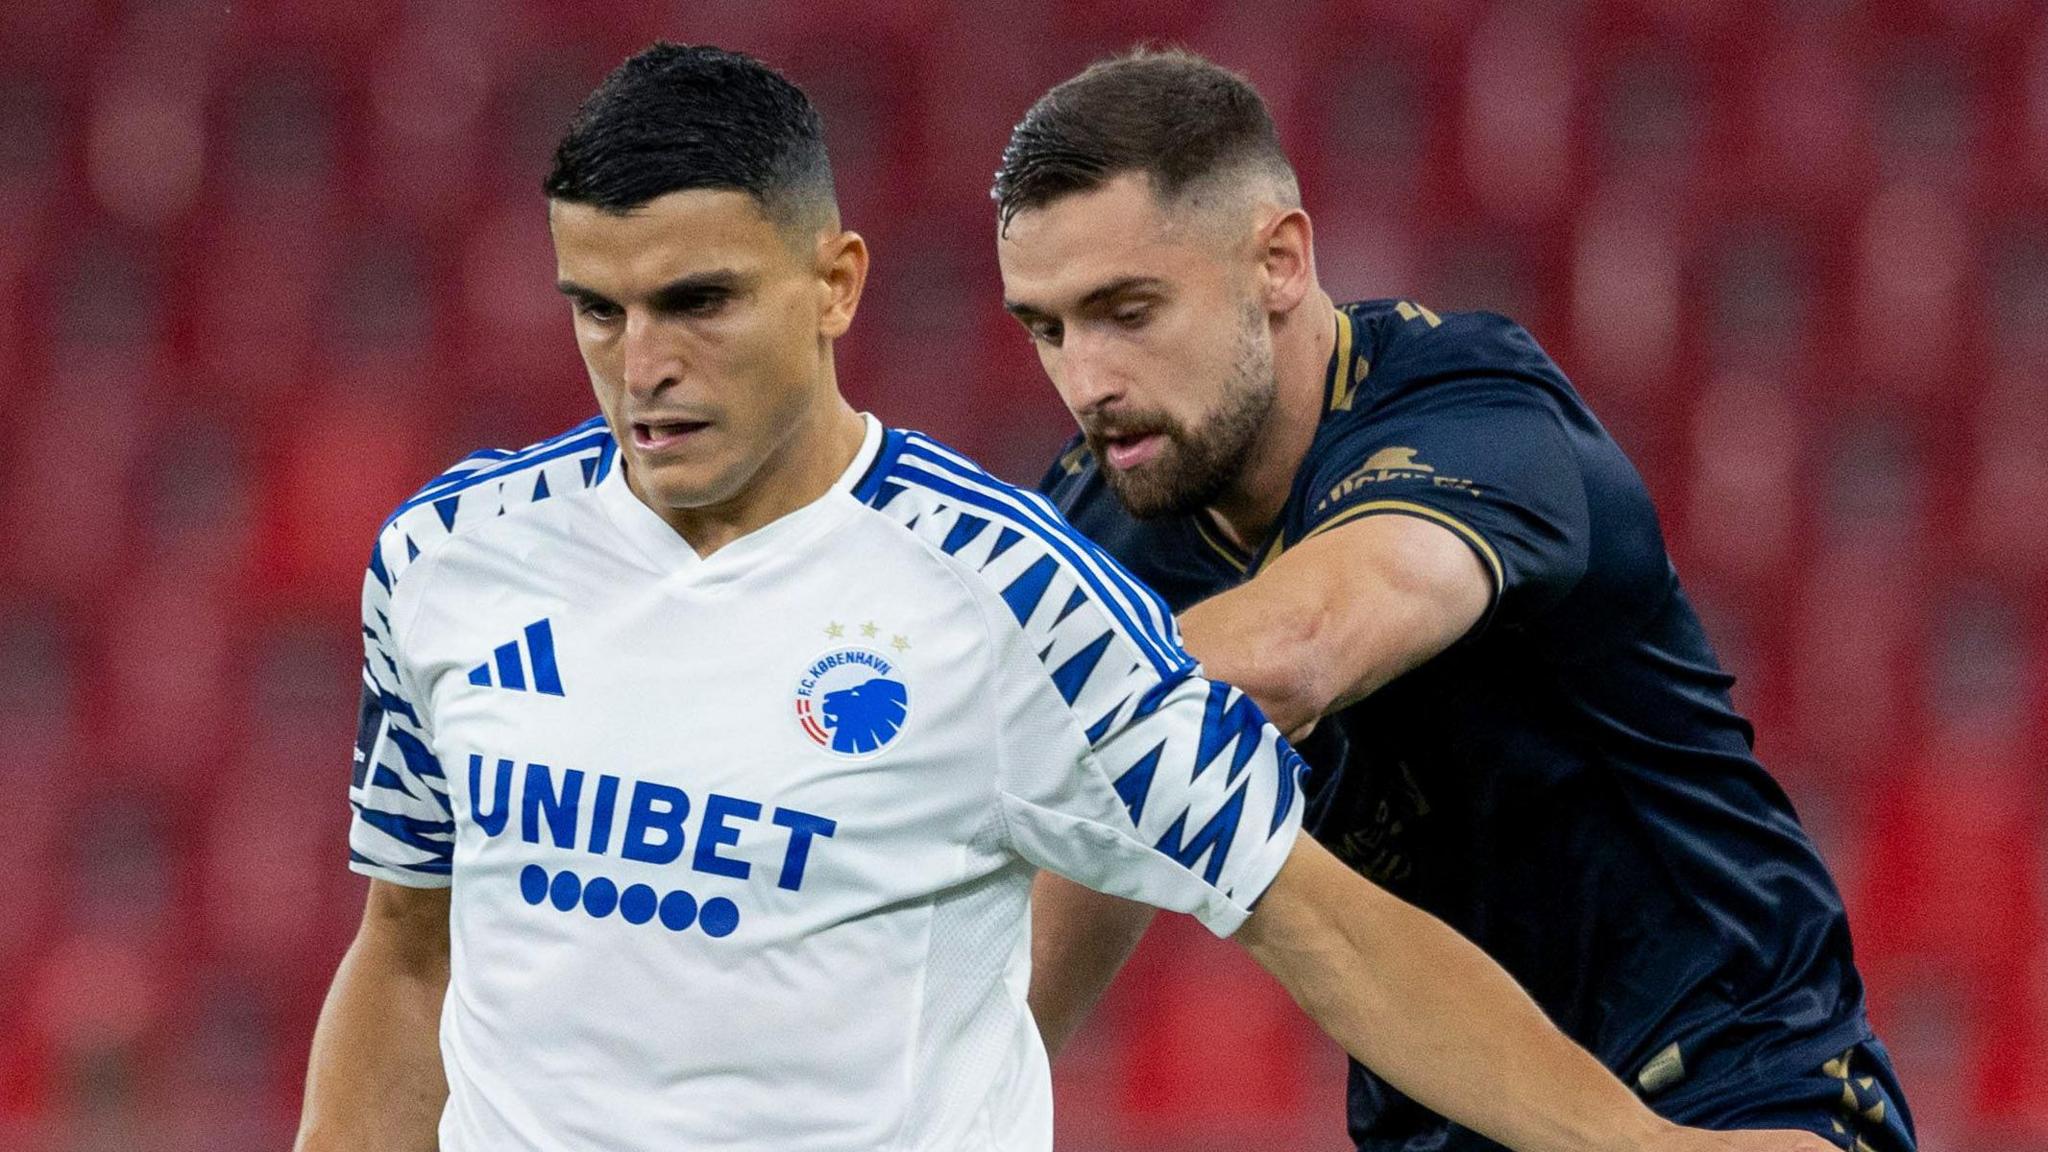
1149	491
687	483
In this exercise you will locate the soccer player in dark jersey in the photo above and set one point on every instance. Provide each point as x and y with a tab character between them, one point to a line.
1405	535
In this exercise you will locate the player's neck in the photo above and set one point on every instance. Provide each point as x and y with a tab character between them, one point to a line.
799	473
1303	342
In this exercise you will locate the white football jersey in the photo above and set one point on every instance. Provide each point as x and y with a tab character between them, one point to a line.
742	846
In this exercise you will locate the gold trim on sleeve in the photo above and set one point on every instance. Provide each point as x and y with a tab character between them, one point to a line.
1409	508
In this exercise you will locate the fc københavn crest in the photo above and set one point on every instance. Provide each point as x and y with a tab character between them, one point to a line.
851	702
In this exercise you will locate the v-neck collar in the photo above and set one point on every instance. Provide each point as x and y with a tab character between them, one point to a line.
669	552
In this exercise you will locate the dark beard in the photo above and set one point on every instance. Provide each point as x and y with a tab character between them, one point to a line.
1196	466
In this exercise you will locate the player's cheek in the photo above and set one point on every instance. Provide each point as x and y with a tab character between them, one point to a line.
594	350
799	354
1049	360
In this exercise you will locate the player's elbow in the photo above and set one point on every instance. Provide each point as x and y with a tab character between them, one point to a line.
1291	675
1277	648
1298	705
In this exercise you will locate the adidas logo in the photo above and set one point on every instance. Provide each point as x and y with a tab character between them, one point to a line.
511	662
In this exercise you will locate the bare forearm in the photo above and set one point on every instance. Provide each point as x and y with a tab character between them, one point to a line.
1339	616
1079	939
375	1077
1440	1021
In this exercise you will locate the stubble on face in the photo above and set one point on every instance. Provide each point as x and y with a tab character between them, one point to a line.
1198	463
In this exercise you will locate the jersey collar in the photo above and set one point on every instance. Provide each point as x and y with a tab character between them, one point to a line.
667	549
1347	369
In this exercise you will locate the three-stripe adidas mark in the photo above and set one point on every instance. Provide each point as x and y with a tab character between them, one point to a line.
512	661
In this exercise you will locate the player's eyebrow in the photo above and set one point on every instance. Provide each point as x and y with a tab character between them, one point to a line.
1123	286
693	289
575	291
1096	297
721	281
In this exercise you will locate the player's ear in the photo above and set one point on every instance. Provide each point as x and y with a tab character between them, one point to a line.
842	272
1286	253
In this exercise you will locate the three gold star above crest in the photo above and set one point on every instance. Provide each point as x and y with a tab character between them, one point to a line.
837	631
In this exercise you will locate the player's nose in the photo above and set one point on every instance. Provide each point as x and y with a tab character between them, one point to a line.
1088	381
650	362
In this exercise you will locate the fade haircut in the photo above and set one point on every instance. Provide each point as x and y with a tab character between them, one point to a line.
677	117
1181	120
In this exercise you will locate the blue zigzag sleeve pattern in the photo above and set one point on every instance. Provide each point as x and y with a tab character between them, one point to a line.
403	827
1188	767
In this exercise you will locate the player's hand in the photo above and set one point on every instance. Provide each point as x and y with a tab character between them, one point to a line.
1744	1140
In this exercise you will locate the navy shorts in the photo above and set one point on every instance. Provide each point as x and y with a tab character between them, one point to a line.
1853	1100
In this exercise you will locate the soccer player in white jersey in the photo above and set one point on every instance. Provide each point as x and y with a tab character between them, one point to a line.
708	750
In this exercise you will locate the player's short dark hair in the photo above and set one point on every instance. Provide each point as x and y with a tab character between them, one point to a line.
677	117
1172	115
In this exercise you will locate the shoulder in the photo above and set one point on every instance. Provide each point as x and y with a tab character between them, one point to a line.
1417	375
1404	347
486	487
1402	337
1014	547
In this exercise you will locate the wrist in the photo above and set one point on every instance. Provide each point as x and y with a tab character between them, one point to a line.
1641	1130
1653	1133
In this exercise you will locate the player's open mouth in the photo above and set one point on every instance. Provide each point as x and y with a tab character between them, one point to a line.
656	437
1131	451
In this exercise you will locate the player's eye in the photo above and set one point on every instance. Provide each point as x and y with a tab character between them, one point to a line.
602	311
699	304
1132	315
1045	332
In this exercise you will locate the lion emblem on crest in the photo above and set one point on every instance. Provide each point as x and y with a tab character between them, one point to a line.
852	702
866	716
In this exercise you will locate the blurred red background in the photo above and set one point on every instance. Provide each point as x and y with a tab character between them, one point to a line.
269	266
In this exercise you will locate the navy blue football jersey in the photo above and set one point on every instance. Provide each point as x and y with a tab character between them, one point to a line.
1569	785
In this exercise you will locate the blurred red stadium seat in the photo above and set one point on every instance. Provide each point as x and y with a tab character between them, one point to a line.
1794	254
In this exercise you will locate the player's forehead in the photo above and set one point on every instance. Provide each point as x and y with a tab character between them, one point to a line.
1056	255
669	238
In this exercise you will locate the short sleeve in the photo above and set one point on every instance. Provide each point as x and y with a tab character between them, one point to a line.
1116	764
1486	458
403	828
1144	781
